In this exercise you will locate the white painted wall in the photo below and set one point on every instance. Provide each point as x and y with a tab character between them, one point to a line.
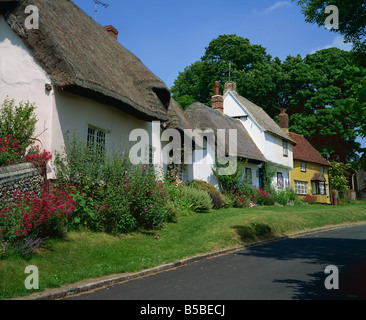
22	78
203	162
270	145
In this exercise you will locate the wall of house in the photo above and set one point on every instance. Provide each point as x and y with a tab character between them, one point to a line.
58	112
311	169
23	79
203	162
270	145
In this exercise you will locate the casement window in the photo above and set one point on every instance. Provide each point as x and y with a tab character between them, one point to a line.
279	180
285	148
248	175
322	169
303	166
320	188
96	140
301	187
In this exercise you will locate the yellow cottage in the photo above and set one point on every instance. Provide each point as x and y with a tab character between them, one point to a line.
310	173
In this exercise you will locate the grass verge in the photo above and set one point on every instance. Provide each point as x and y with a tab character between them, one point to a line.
84	255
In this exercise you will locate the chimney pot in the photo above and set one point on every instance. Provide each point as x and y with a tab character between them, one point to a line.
217	101
112	31
230	85
217	88
284	121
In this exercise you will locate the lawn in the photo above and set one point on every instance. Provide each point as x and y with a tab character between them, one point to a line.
84	255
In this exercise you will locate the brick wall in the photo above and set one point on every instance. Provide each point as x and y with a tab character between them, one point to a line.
24	177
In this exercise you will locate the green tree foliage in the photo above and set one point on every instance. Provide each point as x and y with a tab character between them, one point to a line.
315	90
338	176
352	22
195	83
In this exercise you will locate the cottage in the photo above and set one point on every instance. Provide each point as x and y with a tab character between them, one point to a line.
310	175
205	119
311	171
271	140
78	75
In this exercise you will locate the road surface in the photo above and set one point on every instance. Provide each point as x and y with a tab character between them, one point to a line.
290	269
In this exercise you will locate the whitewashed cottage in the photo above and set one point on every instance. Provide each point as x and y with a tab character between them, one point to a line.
78	75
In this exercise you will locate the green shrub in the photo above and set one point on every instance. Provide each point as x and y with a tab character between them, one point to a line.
285	196
114	195
197	200
18	121
216	196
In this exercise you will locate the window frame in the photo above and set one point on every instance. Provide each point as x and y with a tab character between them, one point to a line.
285	148
303	166
96	140
249	175
280	180
301	187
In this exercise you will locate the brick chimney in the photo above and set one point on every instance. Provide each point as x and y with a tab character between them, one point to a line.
112	31
217	101
230	85
284	121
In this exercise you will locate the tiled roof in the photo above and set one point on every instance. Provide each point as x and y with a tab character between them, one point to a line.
304	151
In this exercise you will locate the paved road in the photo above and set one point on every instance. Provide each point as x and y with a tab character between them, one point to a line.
291	269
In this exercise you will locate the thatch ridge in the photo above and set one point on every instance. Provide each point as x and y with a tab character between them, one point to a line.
82	57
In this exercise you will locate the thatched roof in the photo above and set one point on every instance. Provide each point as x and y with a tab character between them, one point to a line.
81	57
177	119
265	122
202	117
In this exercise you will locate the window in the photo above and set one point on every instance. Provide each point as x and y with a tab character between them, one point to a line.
315	187
285	148
96	140
301	187
248	175
320	188
322	169
303	166
279	180
183	172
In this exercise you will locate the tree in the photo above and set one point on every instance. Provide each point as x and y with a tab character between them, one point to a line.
352	21
315	90
338	177
195	83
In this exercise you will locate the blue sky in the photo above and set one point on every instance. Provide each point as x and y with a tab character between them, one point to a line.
169	35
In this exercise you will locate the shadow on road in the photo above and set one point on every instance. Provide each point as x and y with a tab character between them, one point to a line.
348	255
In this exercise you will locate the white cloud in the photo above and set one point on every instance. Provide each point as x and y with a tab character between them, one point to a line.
277	5
337	43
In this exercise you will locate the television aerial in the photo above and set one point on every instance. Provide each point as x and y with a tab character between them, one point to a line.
97	2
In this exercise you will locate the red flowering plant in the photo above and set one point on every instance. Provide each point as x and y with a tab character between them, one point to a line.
29	217
37	157
309	199
11	152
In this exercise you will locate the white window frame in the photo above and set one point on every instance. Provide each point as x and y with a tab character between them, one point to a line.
285	148
301	187
303	166
97	139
